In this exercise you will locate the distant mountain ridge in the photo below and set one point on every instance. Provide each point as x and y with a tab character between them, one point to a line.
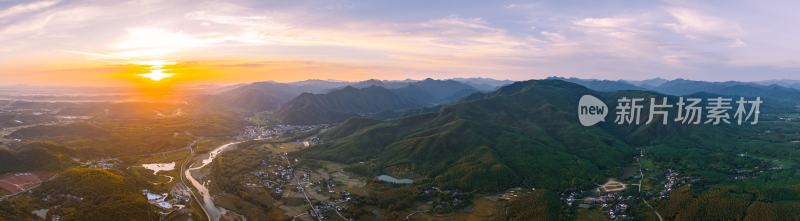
382	83
484	84
270	95
258	96
649	83
436	91
350	101
782	82
601	85
779	98
341	104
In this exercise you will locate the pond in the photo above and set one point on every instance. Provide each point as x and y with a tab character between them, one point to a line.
390	179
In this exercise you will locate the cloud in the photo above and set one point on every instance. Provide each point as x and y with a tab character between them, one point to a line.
475	37
26	8
616	28
256	22
553	37
26	26
468	35
699	26
521	5
604	22
154	42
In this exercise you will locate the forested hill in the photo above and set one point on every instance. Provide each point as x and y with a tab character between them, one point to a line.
523	134
341	104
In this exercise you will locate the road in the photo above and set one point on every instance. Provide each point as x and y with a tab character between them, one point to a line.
408	218
183	180
641	173
299	185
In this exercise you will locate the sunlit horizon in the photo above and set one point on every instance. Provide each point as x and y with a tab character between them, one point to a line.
54	42
312	110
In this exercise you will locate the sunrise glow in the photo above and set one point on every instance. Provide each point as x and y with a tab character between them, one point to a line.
173	46
156	75
79	42
157	70
456	110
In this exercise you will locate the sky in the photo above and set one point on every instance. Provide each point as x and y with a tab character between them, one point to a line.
63	42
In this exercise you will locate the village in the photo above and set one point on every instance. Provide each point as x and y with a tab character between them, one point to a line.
278	175
616	198
273	131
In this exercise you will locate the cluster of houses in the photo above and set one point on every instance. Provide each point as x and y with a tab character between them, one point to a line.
336	205
751	173
274	173
617	205
265	132
614	203
310	141
443	200
608	197
105	163
513	193
674	179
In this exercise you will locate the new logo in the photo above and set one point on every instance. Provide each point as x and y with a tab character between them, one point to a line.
591	110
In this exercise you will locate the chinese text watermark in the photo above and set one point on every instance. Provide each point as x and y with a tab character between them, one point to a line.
688	111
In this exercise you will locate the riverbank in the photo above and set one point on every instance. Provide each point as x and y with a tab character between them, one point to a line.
199	189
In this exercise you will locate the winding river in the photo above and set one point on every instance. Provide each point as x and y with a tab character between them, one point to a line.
212	210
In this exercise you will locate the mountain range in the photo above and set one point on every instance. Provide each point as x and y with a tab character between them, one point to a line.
270	96
330	101
340	104
777	97
523	134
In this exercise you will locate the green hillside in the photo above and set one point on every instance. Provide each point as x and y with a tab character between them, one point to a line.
341	104
35	156
523	134
85	194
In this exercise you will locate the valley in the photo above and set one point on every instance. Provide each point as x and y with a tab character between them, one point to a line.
351	110
511	154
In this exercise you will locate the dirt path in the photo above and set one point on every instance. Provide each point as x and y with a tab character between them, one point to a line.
641	173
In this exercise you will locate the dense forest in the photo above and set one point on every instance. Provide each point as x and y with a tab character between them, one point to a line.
35	156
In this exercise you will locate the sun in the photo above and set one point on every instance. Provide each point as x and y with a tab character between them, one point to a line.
157	71
156	75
